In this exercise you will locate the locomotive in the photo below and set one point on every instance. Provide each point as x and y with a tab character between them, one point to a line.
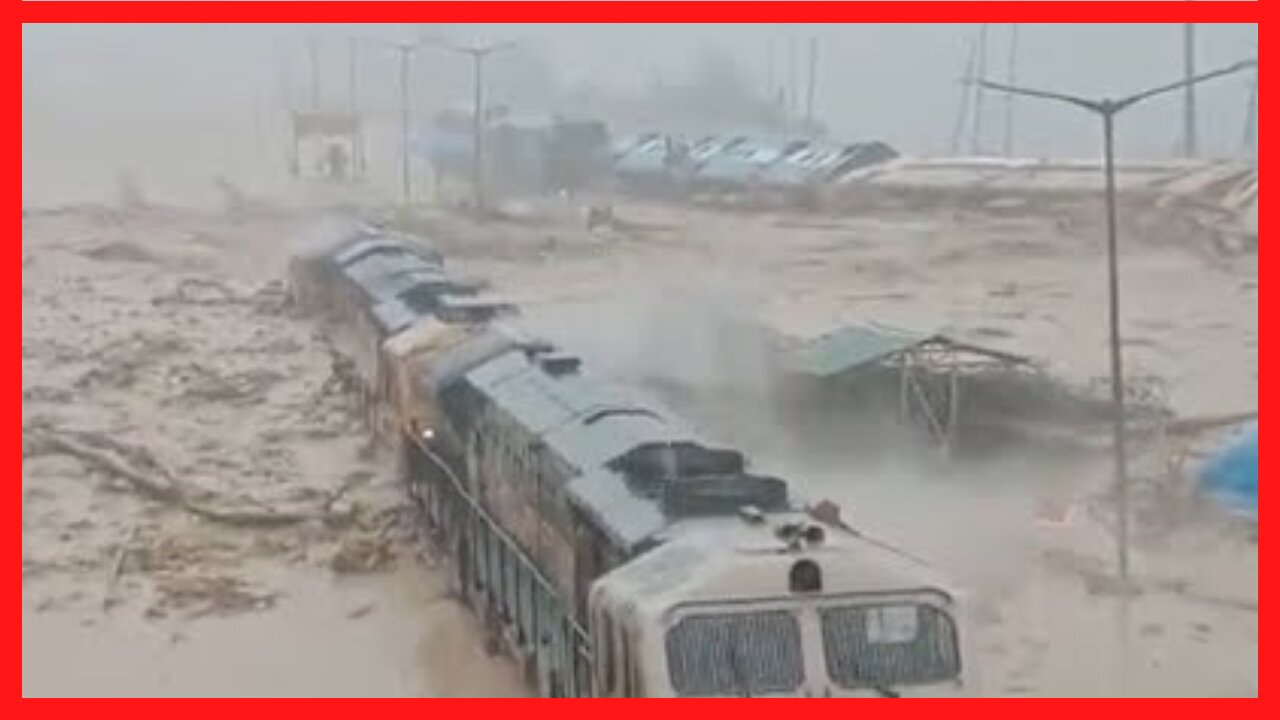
612	549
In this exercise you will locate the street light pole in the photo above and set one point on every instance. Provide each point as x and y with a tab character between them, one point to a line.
353	92
477	132
979	107
1011	77
813	81
1107	109
406	55
1250	118
1189	140
478	55
405	51
1117	360
313	54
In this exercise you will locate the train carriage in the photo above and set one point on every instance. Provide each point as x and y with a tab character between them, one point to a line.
376	288
757	606
607	545
315	275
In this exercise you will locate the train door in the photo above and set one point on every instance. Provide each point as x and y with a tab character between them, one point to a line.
589	564
615	669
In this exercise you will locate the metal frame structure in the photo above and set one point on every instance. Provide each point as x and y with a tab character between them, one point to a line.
919	360
312	124
937	358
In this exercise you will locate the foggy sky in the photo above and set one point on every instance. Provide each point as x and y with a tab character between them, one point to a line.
95	86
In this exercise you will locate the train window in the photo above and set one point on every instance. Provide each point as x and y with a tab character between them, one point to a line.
741	654
902	644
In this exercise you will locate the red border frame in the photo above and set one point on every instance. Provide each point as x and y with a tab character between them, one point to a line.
582	12
579	12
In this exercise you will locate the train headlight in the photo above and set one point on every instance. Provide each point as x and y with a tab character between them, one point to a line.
805	577
427	434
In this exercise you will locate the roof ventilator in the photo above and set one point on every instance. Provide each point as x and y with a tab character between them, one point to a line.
560	364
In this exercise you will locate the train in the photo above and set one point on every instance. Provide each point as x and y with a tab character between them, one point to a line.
607	545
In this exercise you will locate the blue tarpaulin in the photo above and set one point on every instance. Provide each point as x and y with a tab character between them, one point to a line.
1231	475
445	148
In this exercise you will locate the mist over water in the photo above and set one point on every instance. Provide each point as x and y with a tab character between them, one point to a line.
699	351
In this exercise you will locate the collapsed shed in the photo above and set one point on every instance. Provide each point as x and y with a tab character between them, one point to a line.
924	377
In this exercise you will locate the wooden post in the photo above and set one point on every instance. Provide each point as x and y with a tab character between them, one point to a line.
953	403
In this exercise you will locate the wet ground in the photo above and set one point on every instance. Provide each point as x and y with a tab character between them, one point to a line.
158	354
157	350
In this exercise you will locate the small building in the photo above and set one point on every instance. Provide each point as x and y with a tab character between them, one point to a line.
327	145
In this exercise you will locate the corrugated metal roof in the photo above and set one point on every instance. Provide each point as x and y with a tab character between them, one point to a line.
742	160
853	347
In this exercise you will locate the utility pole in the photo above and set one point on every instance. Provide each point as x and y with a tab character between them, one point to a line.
975	140
1189	147
968	85
1011	78
478	55
405	51
353	101
477	132
353	92
813	80
313	52
770	83
1251	118
406	57
792	100
1107	109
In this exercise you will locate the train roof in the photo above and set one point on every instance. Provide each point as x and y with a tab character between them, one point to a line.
474	300
612	437
498	338
587	419
721	559
394	316
424	333
587	422
383	277
374	241
416	295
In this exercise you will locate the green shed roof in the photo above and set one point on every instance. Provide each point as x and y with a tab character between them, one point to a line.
853	347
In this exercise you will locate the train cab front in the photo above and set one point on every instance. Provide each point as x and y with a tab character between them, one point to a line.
798	615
